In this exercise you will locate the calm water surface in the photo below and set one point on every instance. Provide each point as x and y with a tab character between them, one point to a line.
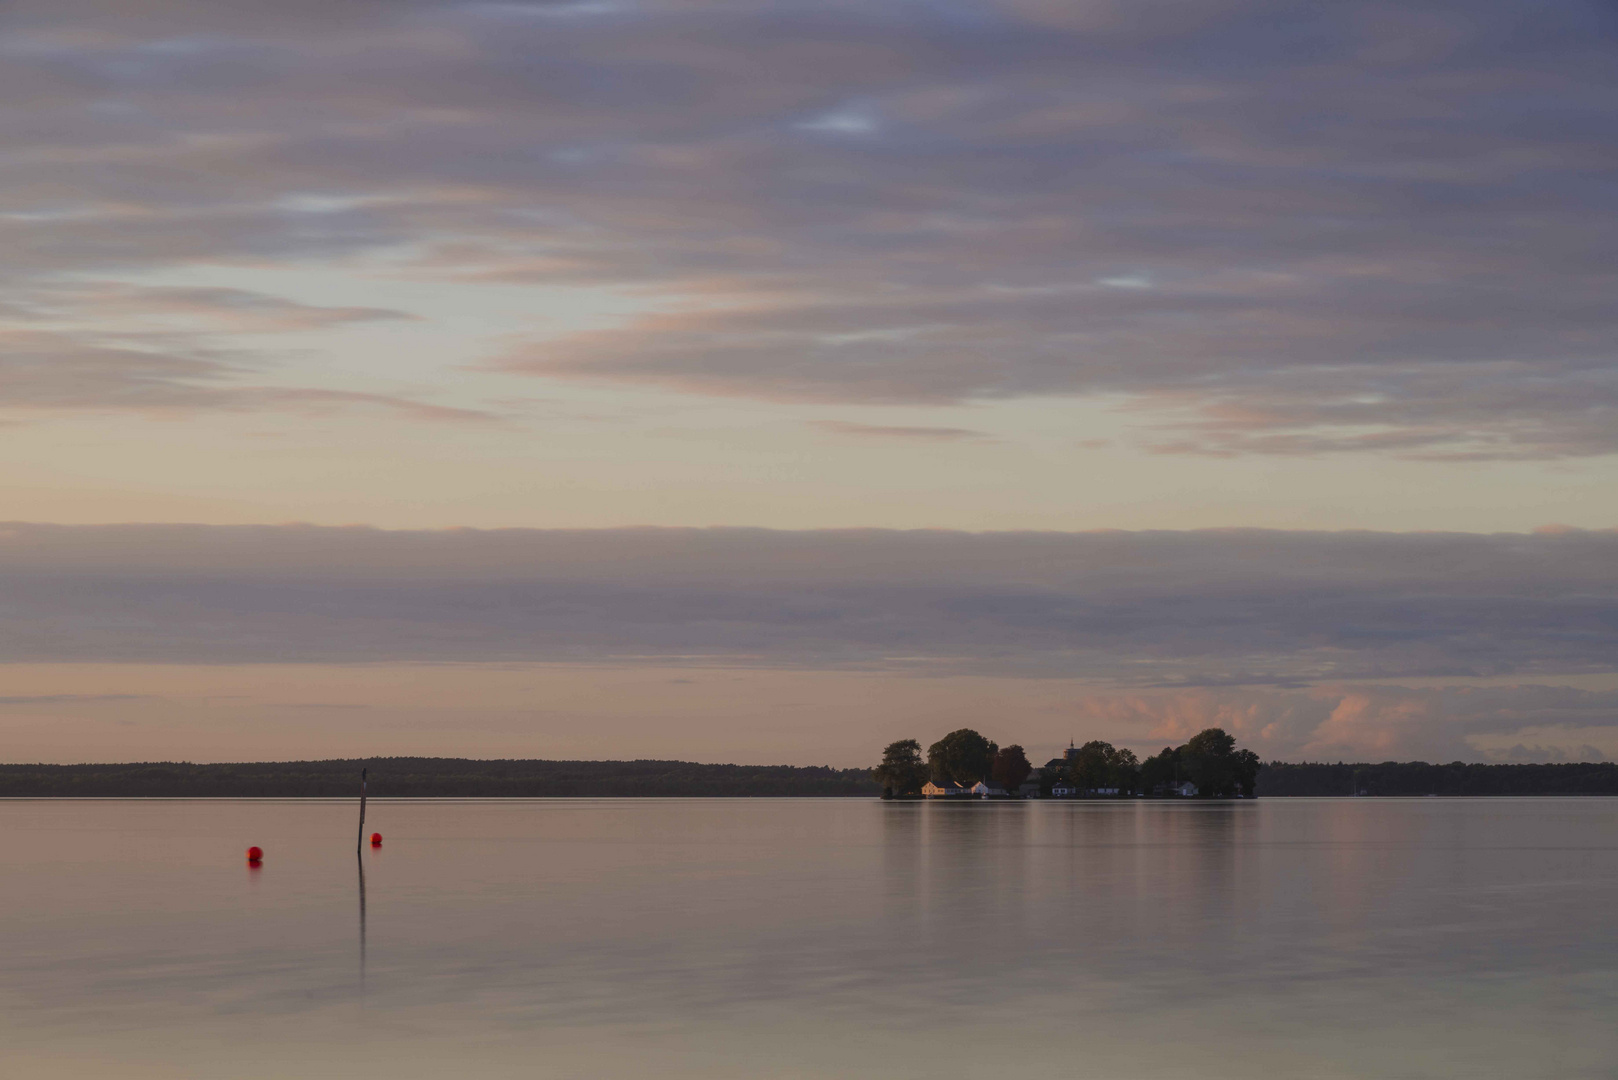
811	938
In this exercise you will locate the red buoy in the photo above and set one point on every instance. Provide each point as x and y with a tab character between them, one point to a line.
255	855
376	839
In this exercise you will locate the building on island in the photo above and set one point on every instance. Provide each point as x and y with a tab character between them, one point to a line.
1184	788
949	789
1054	780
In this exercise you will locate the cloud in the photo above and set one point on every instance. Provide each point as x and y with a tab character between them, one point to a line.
67	699
162	373
114	346
881	431
1372	723
212	308
1215	609
1296	642
1273	228
848	121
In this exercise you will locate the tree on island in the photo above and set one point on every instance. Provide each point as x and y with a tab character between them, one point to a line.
963	756
1160	770
902	771
1210	760
1125	772
1010	768
1102	765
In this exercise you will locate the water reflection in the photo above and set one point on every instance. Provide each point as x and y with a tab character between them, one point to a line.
730	939
359	861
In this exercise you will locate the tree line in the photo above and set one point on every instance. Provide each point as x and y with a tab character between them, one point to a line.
1209	761
428	778
1414	778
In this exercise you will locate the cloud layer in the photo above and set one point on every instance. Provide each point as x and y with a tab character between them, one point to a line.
1524	722
1276	228
1150	609
1295	641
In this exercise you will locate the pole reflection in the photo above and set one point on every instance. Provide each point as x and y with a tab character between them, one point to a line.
359	860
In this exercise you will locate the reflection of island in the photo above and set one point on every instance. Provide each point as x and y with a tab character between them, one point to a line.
964	765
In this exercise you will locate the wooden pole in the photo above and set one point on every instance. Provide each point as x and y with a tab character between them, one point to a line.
359	841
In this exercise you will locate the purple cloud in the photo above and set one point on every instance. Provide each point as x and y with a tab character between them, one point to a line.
1275	228
1147	610
900	431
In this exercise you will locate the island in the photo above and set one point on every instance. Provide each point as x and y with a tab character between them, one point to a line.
965	764
1209	765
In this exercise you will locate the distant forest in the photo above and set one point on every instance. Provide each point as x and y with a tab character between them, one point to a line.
459	777
431	777
1280	779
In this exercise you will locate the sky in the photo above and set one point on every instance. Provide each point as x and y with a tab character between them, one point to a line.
764	381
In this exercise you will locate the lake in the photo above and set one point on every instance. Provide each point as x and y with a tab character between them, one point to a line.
810	938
